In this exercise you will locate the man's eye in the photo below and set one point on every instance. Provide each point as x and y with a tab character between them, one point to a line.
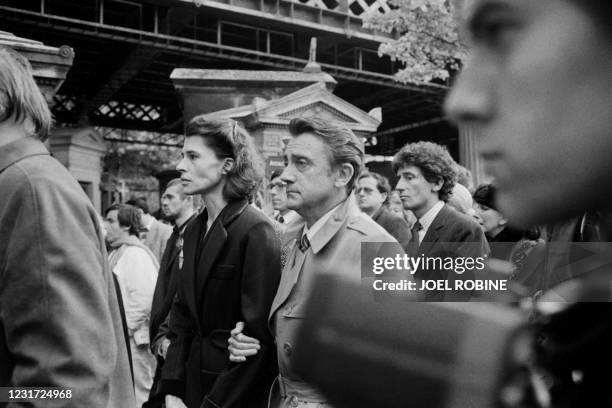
497	32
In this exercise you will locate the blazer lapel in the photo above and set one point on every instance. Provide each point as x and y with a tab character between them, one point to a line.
433	233
190	248
214	242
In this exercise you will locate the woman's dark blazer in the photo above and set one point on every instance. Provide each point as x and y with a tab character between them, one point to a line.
228	276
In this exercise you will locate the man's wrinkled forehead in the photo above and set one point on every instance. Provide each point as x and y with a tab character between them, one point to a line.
304	145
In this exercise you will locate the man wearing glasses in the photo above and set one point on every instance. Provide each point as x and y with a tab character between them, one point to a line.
278	193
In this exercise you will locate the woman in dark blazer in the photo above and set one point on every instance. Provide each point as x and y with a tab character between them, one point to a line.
230	273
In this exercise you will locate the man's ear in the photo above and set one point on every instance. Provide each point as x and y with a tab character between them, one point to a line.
344	174
437	186
228	165
384	196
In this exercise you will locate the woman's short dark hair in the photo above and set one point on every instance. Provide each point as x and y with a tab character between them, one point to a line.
127	216
343	145
20	97
434	161
229	140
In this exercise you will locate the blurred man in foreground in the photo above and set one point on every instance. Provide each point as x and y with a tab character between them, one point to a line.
537	90
60	324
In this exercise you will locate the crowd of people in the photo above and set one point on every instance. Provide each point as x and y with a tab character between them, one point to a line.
204	309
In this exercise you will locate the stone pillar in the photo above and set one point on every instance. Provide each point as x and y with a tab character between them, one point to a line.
468	155
81	151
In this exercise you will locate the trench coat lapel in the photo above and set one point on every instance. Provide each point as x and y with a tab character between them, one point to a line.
295	260
290	273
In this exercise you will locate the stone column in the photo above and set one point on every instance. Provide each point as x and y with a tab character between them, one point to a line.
468	155
81	151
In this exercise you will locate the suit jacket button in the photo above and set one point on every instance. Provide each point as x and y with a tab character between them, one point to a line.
288	349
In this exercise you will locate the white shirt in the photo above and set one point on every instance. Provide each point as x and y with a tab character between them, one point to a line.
288	217
310	232
428	218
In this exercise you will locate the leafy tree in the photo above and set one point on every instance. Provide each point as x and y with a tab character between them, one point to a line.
427	41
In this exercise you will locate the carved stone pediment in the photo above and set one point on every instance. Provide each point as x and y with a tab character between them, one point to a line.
314	100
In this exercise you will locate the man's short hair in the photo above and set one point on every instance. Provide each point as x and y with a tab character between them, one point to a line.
139	202
196	198
20	97
127	216
176	182
229	140
434	161
343	145
382	183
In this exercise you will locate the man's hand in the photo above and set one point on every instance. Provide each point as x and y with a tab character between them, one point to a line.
174	402
241	346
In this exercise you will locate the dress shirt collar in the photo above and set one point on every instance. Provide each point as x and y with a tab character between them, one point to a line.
310	232
428	218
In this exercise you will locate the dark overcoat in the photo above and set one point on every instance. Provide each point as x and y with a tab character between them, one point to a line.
230	274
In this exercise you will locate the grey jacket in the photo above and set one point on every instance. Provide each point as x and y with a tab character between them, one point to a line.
59	318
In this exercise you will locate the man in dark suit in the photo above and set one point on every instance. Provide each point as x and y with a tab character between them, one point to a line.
372	192
427	175
180	209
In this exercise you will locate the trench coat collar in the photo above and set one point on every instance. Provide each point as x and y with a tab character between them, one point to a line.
19	149
345	214
346	209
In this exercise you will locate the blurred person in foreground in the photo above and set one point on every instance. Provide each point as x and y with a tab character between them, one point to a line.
230	273
136	269
60	324
179	208
537	91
